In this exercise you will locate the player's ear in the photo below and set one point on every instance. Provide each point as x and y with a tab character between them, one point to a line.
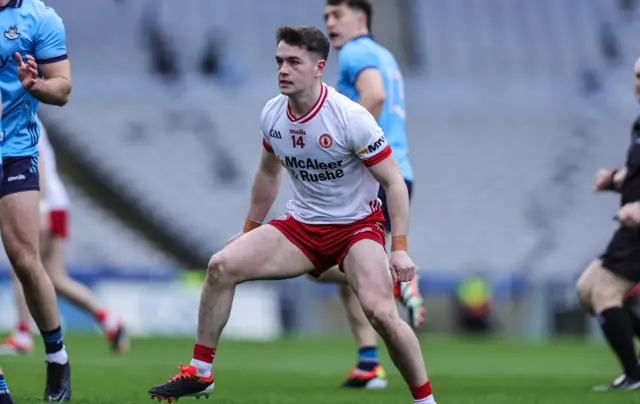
321	65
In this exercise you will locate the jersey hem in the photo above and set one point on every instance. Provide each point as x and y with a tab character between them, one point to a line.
324	223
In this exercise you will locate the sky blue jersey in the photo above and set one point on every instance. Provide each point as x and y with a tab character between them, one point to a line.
362	53
30	28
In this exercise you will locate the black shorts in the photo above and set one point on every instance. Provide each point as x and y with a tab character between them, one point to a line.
20	175
622	256
383	197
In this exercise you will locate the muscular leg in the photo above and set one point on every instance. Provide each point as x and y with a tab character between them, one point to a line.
601	292
19	226
264	253
362	330
368	274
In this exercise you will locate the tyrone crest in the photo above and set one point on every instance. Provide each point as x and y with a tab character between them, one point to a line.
12	33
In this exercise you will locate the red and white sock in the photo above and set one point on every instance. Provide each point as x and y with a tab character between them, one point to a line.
108	322
203	359
423	394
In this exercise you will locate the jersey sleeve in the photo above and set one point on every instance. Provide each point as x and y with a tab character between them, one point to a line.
51	40
266	143
367	139
354	60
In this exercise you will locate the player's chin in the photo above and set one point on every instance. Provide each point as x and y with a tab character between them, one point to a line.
337	45
286	89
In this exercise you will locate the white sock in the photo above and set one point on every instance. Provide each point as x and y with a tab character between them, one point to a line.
60	357
203	369
427	400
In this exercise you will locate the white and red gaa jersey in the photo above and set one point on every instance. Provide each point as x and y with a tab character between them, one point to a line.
55	194
327	152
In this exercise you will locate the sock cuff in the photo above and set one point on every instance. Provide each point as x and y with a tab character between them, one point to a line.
52	336
204	353
421	392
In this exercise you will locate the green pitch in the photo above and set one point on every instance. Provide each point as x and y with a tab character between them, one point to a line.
309	371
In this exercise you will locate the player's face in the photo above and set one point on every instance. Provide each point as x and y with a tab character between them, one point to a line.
636	80
343	24
298	69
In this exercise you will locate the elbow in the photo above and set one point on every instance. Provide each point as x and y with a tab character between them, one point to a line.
63	99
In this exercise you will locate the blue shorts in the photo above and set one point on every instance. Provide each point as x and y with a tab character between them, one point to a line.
20	175
383	197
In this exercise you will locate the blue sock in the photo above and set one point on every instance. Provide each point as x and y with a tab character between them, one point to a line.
3	385
368	358
5	396
52	340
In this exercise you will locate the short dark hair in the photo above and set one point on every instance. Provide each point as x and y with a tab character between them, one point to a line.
310	38
361	5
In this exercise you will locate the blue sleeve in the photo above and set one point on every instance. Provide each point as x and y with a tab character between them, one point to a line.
354	60
51	40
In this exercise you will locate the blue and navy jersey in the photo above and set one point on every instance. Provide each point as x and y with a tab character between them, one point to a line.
29	27
362	53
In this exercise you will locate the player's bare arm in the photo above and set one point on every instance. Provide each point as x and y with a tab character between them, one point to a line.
53	87
388	174
266	185
370	86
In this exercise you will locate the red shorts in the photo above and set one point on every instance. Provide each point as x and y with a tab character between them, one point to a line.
59	223
327	244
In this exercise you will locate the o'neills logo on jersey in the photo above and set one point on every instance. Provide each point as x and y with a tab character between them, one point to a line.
297	132
328	171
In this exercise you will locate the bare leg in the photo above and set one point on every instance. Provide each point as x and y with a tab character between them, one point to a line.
601	292
19	225
76	293
263	253
368	273
361	328
24	316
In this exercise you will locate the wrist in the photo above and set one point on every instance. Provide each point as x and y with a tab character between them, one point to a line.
399	242
250	224
613	185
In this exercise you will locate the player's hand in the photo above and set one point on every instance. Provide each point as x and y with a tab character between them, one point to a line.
603	179
629	214
27	72
235	237
402	268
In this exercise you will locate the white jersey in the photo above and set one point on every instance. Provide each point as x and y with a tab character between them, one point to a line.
327	152
56	197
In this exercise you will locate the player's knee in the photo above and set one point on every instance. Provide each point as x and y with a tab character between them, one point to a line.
605	296
220	269
380	313
25	264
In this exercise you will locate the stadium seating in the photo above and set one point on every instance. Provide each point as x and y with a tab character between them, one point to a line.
504	137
